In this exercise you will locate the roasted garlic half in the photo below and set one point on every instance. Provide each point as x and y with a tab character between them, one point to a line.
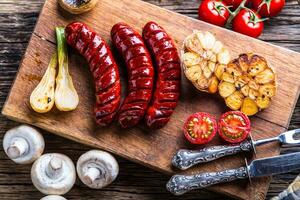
77	6
248	84
204	59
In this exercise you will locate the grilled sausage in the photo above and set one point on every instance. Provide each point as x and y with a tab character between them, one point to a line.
103	67
139	66
167	63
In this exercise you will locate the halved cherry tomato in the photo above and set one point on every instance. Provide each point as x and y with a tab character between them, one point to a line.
234	126
248	22
213	12
268	8
200	128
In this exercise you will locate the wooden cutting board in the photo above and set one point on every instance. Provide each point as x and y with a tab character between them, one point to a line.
150	148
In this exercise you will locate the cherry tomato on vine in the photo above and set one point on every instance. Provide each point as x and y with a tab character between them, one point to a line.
200	128
235	3
214	12
248	22
234	126
268	8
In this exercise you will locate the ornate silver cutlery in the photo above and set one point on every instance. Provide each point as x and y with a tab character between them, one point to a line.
180	184
185	159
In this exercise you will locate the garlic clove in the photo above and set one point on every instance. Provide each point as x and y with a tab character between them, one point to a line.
207	40
223	57
218	46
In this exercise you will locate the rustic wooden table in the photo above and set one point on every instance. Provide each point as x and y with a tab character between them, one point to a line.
17	20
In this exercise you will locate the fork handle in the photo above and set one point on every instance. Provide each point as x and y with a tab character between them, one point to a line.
180	184
185	159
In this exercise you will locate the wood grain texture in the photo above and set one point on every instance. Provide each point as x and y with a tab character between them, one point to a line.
137	144
11	53
150	148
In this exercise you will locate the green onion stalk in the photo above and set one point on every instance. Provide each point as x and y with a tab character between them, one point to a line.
66	97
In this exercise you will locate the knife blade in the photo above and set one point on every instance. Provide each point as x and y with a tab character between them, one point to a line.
185	159
180	184
274	165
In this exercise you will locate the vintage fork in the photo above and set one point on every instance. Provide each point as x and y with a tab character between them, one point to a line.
185	159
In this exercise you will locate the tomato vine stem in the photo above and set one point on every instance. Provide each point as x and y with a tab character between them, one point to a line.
253	18
265	2
234	13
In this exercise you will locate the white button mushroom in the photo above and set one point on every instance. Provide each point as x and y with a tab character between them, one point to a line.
53	173
53	197
23	144
97	169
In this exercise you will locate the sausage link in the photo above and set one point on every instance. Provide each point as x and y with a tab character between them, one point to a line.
103	67
138	61
167	63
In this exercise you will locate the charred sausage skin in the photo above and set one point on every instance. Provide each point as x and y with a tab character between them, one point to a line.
167	64
130	45
103	67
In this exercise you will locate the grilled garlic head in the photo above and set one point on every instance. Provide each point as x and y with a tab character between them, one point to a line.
66	97
248	84
77	6
42	97
203	60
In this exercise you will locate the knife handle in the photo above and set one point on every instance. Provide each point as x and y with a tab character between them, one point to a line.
180	184
185	159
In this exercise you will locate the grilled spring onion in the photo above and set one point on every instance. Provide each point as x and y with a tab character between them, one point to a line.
42	97
66	97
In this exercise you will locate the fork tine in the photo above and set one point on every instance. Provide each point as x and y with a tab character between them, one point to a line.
288	137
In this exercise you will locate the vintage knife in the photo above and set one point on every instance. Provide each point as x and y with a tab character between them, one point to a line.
185	159
180	184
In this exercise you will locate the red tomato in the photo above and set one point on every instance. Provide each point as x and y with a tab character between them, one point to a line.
200	128
214	12
234	126
248	22
268	8
235	3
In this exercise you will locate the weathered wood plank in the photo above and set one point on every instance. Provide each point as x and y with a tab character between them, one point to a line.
137	145
281	25
17	21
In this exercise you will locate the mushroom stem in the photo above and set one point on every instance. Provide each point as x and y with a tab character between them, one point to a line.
92	174
53	173
23	144
97	169
54	168
17	148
